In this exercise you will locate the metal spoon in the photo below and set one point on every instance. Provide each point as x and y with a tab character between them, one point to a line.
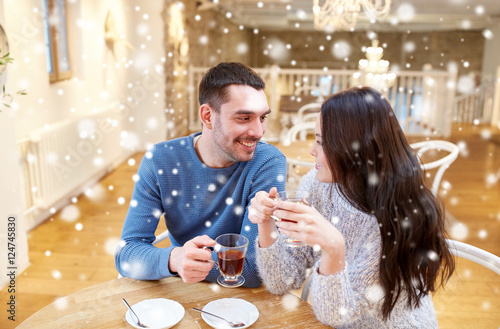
131	310
232	324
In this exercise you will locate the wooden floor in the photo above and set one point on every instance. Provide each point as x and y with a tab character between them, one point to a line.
74	249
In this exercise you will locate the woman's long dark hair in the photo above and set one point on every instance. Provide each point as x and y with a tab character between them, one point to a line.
380	174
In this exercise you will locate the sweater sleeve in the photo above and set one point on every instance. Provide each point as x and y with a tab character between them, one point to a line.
342	298
135	256
283	268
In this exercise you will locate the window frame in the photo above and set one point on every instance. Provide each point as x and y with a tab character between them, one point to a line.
57	39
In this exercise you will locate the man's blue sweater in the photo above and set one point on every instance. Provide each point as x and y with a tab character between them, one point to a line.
195	200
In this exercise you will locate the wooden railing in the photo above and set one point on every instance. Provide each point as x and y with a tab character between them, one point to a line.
421	100
477	107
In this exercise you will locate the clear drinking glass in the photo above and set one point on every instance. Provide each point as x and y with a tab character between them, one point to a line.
296	196
231	251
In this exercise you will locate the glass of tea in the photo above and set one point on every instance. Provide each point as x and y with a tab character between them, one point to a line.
296	196
231	251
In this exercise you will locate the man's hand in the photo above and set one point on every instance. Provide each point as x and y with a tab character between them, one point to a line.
191	260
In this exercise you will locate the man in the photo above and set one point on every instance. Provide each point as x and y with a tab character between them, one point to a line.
203	183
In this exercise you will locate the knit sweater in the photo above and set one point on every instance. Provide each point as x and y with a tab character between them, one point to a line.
352	297
195	200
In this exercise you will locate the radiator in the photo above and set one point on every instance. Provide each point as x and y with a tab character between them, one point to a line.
61	158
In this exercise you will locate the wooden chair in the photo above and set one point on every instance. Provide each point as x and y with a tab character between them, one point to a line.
442	164
162	236
297	168
308	112
298	132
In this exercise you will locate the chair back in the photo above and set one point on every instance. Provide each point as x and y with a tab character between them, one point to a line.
475	254
308	112
442	164
301	129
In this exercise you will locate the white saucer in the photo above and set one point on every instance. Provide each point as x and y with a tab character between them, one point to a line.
158	313
233	309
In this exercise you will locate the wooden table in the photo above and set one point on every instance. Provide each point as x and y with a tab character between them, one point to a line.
100	306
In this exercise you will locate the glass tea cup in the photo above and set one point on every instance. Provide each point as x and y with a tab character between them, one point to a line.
231	251
295	196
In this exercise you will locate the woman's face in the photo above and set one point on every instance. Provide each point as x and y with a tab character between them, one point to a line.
324	174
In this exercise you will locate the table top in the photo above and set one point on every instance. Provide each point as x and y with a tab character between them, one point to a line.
101	306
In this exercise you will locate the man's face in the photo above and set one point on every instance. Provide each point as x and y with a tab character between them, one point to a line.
240	124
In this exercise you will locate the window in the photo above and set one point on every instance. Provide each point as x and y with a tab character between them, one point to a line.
56	40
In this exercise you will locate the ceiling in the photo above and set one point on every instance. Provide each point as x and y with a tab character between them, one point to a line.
426	14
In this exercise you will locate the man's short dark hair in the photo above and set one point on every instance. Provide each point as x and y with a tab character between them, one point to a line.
214	85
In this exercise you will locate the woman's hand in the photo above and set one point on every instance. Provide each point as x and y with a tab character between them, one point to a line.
260	210
306	224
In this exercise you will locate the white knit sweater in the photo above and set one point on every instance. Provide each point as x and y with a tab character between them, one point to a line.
351	298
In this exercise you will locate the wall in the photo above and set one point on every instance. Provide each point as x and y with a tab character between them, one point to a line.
143	93
491	57
10	194
201	38
104	75
343	50
214	39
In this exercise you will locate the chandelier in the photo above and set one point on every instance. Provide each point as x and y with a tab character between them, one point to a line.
374	70
342	14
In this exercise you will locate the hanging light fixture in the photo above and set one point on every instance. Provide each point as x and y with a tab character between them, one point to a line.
374	70
343	14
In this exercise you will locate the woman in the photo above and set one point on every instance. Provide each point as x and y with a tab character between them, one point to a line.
375	234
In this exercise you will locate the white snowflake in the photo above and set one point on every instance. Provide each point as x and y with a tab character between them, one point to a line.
56	274
222	179
374	293
290	302
432	255
488	34
61	303
70	213
341	49
111	244
157	213
373	179
459	231
215	287
238	210
405	12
